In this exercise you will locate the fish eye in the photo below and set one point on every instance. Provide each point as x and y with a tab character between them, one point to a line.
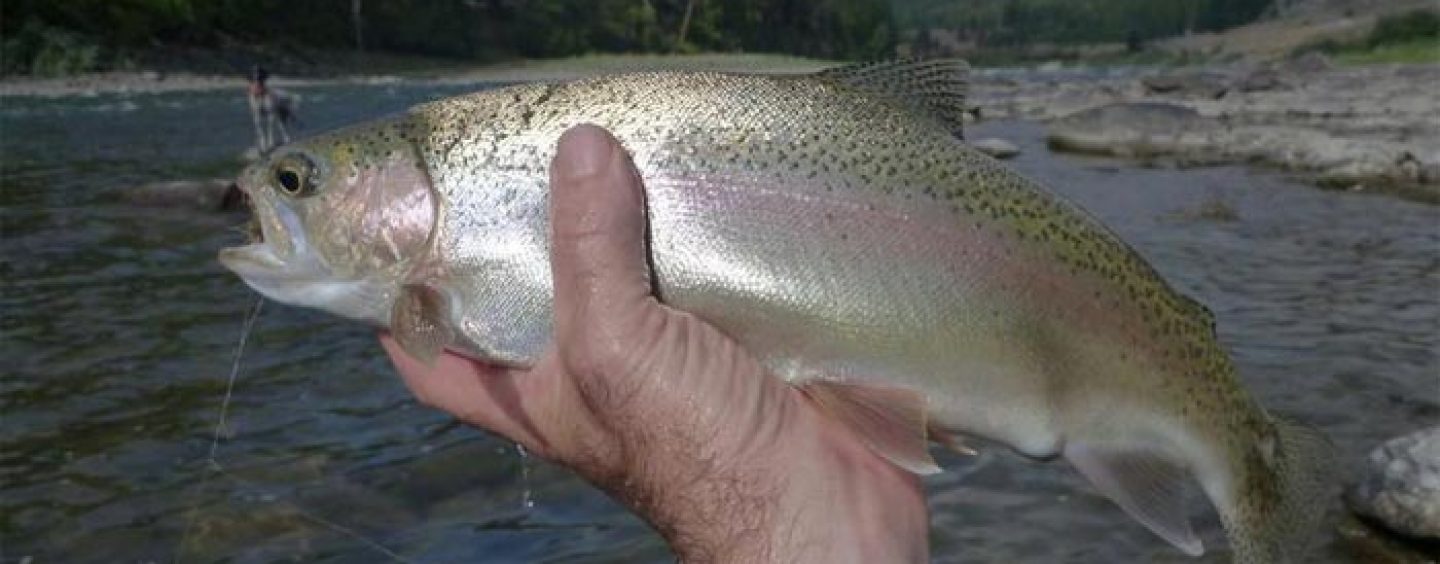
296	175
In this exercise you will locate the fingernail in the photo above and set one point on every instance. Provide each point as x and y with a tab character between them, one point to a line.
584	151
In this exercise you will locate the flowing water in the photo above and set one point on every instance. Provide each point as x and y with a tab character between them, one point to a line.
119	326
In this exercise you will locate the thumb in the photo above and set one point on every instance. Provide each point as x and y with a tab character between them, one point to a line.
598	256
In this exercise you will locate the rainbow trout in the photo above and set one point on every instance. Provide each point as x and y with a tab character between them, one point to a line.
836	226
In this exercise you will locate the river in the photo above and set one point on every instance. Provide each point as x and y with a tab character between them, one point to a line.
119	326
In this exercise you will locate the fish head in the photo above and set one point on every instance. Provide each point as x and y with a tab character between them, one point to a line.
338	220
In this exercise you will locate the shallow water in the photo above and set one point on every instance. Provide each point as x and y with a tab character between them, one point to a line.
118	327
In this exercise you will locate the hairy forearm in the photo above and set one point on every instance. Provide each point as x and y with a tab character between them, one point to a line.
827	500
850	505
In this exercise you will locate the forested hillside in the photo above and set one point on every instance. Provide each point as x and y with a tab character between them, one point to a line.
1018	22
63	36
467	29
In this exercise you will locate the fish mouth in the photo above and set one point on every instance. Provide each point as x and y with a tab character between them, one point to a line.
278	258
253	232
252	260
281	264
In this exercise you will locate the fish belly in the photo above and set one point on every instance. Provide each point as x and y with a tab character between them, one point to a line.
842	288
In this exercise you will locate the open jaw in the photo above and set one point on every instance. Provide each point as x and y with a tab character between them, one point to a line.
282	265
278	255
252	227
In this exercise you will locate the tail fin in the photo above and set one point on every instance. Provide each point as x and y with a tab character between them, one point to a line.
1277	513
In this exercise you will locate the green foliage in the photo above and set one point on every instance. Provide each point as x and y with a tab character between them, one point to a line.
469	29
81	34
1425	50
1020	22
1410	37
47	51
1405	28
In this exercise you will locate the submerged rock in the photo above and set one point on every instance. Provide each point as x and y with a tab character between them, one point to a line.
1367	543
1400	486
1127	129
996	147
216	194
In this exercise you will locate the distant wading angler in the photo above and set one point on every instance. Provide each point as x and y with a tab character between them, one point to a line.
271	111
835	227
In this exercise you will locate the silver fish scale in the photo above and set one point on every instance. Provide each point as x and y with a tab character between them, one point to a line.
816	237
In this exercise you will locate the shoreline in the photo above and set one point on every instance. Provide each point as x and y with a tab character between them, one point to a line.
1373	128
533	70
1359	128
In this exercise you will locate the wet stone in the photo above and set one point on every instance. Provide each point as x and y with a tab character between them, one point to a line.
1400	485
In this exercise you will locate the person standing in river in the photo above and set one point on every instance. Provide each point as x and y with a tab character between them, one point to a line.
270	110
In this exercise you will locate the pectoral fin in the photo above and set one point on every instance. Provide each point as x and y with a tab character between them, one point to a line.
890	420
1146	486
420	321
952	441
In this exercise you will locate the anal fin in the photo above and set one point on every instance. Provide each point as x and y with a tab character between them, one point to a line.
1146	486
890	420
419	321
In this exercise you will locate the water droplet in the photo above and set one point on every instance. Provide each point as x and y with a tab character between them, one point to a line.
527	500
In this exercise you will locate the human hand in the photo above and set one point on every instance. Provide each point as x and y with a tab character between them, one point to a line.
668	415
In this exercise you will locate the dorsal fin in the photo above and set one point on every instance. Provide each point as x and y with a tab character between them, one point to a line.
934	87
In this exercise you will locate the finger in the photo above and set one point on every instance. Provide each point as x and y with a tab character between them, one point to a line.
598	255
501	400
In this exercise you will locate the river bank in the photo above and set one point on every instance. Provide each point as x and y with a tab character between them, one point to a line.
152	81
1363	128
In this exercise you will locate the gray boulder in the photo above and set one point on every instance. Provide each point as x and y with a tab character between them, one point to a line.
1260	80
1400	485
1201	84
1311	62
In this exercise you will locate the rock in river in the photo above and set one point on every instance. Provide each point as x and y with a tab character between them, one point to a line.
1400	486
996	147
1127	129
1199	84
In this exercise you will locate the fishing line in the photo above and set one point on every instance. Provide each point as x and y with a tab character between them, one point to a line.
234	373
213	465
210	460
318	519
219	426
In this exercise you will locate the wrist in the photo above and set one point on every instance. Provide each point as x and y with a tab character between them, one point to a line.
812	494
847	504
